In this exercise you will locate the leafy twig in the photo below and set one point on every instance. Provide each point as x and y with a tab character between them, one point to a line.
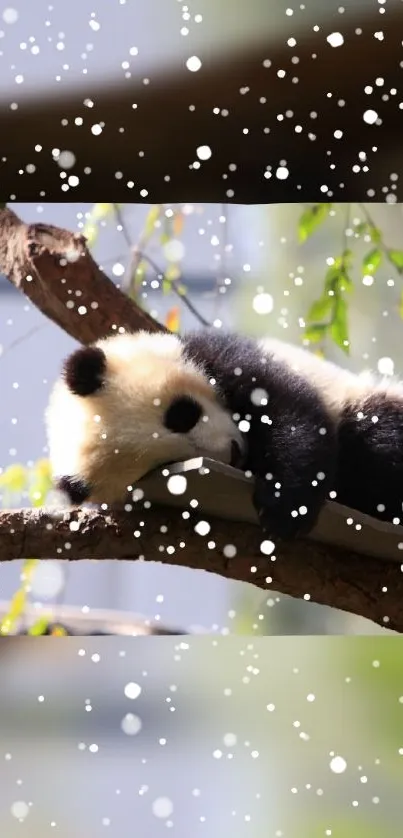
329	314
141	256
175	289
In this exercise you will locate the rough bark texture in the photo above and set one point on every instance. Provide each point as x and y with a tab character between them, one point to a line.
56	271
368	587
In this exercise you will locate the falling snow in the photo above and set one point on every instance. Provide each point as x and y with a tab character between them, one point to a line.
131	724
263	303
162	807
370	116
193	63
204	152
335	39
132	690
338	765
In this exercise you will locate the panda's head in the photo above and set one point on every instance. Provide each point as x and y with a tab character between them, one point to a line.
126	405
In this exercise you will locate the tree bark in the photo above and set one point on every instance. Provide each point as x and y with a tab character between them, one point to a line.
54	268
362	585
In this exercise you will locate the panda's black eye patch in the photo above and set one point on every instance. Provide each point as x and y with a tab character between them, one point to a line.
84	371
182	415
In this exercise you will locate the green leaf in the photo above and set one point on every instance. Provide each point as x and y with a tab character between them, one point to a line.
343	283
14	478
140	272
332	277
372	261
316	332
311	219
320	309
101	211
90	231
347	259
39	627
375	233
396	258
361	228
172	273
152	217
337	277
339	325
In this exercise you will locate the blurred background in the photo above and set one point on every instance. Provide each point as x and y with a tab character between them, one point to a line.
260	270
264	737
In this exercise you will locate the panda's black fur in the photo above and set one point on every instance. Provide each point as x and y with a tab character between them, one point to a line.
304	442
286	455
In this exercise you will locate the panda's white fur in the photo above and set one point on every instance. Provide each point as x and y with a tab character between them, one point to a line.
114	436
337	386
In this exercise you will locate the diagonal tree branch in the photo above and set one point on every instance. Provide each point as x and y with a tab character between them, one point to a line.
363	585
54	268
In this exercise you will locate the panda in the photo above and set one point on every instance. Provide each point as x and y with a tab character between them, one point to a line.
305	429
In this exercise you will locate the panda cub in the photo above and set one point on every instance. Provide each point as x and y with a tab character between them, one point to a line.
303	427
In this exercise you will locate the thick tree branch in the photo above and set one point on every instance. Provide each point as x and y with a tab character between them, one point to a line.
365	586
54	268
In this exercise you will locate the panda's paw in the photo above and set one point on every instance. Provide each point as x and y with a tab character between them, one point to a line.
76	489
284	518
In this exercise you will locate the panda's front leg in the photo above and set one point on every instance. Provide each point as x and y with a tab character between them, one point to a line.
293	459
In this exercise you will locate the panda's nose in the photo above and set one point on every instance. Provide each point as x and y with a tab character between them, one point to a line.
236	454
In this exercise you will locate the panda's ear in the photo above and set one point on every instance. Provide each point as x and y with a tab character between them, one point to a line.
84	371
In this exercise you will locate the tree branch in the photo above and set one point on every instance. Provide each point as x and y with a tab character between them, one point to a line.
54	268
363	585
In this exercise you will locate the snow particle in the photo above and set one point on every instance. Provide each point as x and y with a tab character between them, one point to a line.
335	39
132	690
204	152
162	807
66	159
386	366
131	724
202	528
118	269
263	303
230	739
10	15
370	116
48	580
177	484
20	809
174	250
338	765
259	396
267	547
193	63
